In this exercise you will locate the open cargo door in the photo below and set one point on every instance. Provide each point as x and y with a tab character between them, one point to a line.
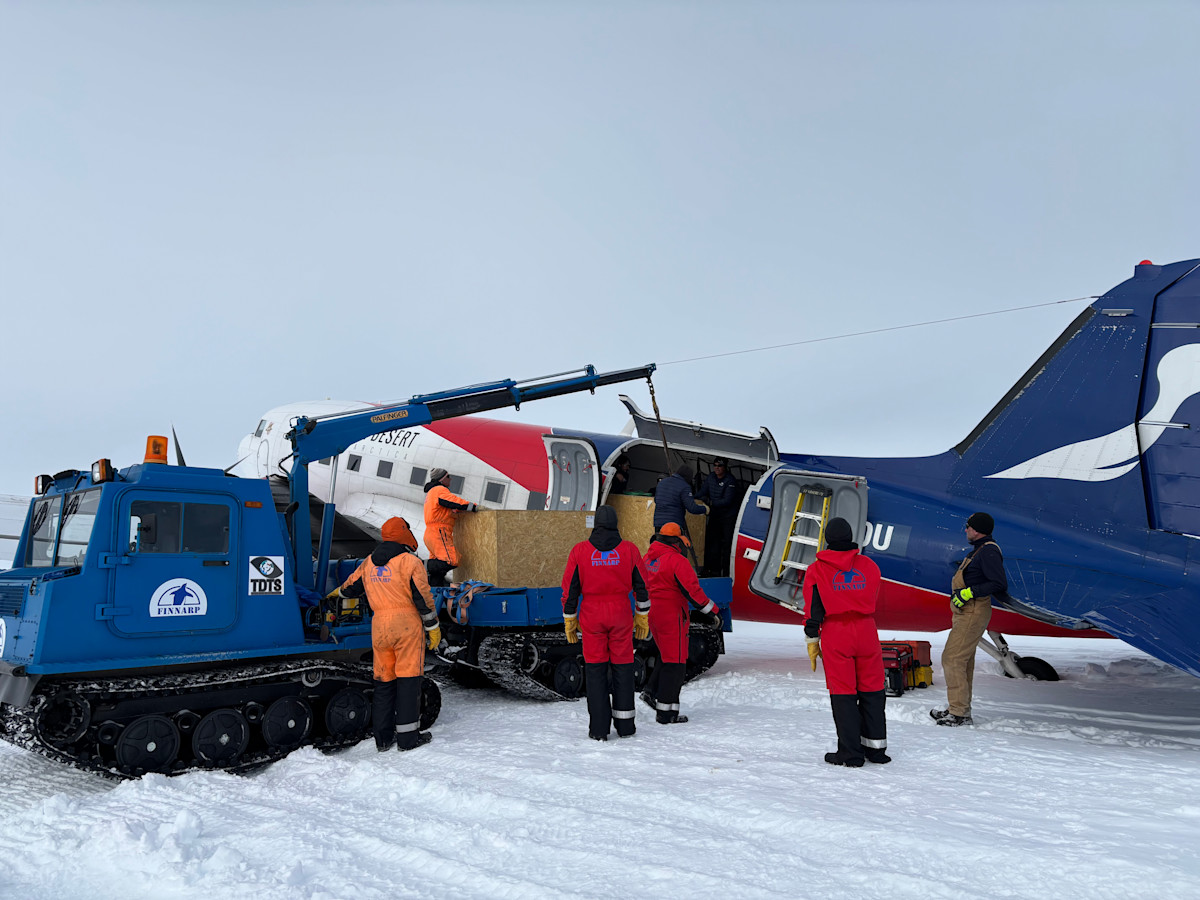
574	481
802	503
704	439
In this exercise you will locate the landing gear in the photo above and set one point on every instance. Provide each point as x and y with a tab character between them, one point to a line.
1016	666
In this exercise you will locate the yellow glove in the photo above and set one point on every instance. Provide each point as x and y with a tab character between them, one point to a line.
335	594
435	636
641	625
814	650
571	626
959	598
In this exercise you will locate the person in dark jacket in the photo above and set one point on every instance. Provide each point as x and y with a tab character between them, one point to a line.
600	574
841	589
620	482
721	493
673	499
979	578
674	590
394	582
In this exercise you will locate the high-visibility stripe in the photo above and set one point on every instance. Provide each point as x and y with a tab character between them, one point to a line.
411	726
667	707
873	743
622	713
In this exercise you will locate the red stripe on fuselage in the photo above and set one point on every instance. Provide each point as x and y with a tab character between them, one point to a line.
514	448
901	607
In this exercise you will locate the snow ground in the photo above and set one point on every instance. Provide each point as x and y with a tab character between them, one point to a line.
1089	787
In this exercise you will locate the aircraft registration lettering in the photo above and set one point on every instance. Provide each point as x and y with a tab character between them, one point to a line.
886	538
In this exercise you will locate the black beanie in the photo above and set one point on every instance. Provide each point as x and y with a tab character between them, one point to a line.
982	522
839	535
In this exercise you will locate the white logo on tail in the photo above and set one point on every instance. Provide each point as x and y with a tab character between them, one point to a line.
1111	456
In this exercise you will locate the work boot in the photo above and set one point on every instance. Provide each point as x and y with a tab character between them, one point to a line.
598	737
937	714
879	758
673	718
953	721
423	738
835	759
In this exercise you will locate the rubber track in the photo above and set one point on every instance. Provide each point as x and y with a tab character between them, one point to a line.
500	659
19	726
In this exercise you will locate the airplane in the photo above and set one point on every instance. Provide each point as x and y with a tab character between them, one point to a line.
1087	465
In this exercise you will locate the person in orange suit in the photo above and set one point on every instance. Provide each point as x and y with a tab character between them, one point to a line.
403	622
441	509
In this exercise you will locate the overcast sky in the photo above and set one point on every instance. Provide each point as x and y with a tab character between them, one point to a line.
210	209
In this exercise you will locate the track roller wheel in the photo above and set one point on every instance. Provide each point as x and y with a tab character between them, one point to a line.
431	702
703	651
221	737
568	677
287	723
149	744
348	713
64	718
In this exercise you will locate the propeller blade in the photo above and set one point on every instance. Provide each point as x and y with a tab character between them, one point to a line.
178	451
238	463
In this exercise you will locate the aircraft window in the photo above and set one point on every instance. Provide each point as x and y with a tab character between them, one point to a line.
537	500
493	492
456	484
262	423
205	528
154	526
353	461
326	461
43	526
385	469
77	527
418	476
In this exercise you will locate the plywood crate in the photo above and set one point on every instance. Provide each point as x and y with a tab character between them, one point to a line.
517	547
635	519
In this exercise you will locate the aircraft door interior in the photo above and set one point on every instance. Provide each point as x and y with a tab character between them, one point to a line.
802	503
573	473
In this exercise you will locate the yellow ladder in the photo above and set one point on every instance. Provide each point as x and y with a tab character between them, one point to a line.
812	495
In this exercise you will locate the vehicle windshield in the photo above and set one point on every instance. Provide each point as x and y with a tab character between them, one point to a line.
77	513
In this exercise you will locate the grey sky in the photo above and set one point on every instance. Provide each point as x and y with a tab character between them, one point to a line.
210	209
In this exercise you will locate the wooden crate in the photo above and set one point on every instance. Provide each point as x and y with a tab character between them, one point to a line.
517	547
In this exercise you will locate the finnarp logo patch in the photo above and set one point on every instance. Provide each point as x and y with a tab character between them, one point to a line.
179	597
606	558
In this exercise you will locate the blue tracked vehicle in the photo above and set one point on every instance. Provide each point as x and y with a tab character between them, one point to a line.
162	618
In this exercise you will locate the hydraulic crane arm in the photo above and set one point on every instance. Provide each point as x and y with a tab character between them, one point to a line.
326	436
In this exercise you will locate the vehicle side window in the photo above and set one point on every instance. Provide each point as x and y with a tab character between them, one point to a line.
154	526
78	518
205	528
42	530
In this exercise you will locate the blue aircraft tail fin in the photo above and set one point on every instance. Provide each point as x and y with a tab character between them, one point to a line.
1104	430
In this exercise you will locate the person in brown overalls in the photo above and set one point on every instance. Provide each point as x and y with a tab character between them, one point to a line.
979	578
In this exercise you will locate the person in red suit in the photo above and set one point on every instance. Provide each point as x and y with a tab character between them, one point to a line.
600	575
674	590
840	591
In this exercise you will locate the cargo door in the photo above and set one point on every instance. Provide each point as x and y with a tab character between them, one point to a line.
174	571
801	503
704	439
574	470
